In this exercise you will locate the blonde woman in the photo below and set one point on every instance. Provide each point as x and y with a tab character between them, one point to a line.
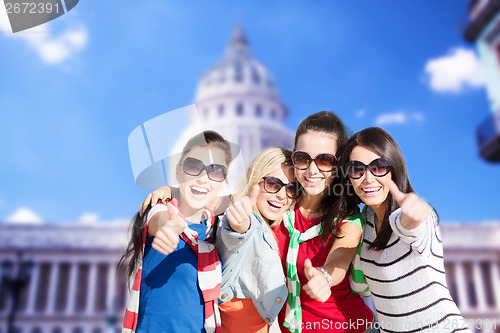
253	283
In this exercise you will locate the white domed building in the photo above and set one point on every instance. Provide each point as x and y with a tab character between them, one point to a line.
238	98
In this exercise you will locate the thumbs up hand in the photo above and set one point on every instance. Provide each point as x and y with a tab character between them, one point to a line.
414	210
238	214
167	237
317	287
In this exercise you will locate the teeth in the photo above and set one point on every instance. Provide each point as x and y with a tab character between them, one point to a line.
275	204
313	179
371	190
199	189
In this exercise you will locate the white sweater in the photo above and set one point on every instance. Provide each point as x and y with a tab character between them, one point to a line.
407	278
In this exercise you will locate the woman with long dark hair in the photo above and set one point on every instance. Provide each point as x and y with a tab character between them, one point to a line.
401	256
175	273
319	236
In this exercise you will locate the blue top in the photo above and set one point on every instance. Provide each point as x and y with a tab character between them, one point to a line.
251	267
170	299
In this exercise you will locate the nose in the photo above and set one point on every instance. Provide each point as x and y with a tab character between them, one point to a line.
202	177
313	168
368	176
281	194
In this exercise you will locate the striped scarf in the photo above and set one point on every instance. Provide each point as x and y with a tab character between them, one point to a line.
293	316
357	280
209	273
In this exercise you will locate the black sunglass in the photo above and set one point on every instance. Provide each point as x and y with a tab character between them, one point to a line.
195	167
274	185
324	161
379	168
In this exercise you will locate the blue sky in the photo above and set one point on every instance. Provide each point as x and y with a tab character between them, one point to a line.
72	90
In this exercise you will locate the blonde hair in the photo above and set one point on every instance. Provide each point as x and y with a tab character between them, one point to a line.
266	162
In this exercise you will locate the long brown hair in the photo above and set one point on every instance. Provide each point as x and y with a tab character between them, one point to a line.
332	210
384	145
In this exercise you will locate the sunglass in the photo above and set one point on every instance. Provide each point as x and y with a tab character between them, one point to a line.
274	185
195	167
324	161
379	168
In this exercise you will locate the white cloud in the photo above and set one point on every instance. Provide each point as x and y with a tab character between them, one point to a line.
455	71
399	118
119	221
361	113
24	215
93	218
52	48
56	49
4	21
89	218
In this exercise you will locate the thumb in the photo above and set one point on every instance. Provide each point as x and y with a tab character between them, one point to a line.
397	195
309	269
178	222
253	194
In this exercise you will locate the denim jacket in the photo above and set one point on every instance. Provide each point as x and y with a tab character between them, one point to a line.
251	267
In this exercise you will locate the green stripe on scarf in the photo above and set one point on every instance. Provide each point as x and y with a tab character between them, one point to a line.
293	317
357	280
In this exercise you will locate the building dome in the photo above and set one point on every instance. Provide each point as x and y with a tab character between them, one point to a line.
231	84
237	73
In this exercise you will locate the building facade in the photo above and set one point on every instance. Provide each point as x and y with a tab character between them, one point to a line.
75	287
484	31
472	264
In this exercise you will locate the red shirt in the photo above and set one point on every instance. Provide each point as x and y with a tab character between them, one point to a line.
343	311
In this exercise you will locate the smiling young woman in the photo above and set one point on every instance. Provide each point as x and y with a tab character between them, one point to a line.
171	297
253	283
401	257
319	237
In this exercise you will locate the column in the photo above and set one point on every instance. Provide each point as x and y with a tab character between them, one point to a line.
495	283
479	286
461	281
2	287
92	288
33	289
125	294
73	276
111	287
52	292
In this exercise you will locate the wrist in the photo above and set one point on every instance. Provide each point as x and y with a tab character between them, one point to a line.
327	275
